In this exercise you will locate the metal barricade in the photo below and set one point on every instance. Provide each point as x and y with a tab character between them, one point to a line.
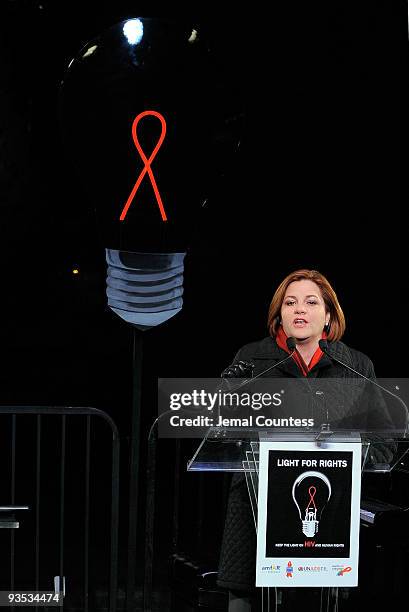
53	487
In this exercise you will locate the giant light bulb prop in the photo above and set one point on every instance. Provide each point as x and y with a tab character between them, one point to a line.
312	516
158	79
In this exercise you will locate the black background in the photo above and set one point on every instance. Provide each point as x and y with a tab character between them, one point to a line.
285	525
317	184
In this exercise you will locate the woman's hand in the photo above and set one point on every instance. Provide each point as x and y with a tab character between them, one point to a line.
240	369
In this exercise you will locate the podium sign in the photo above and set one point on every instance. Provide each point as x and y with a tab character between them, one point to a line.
308	513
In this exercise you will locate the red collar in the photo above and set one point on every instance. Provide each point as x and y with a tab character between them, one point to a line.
281	339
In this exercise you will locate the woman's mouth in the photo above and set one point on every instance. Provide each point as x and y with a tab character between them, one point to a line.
300	322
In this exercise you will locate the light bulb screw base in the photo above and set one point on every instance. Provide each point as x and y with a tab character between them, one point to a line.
310	528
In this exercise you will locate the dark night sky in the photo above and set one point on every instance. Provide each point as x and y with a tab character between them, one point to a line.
317	184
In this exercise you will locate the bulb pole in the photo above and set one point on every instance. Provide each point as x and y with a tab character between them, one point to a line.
134	469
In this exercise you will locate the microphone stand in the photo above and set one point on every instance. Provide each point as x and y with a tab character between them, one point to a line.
324	347
291	347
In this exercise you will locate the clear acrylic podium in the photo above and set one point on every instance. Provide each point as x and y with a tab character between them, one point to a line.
237	450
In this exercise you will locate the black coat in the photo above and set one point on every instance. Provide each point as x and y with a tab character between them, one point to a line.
266	352
238	553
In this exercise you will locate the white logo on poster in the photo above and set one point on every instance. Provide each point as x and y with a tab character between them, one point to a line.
312	513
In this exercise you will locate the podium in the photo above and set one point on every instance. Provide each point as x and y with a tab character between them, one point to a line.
238	450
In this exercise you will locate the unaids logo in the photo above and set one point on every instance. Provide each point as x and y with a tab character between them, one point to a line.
312	568
344	570
289	570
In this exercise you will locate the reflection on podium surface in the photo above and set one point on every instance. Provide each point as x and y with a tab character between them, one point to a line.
225	450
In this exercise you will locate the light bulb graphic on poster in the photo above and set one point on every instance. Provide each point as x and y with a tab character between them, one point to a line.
312	514
308	513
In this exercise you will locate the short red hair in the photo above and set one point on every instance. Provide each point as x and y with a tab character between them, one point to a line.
337	319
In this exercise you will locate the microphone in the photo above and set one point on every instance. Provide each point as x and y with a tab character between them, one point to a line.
239	368
291	345
323	344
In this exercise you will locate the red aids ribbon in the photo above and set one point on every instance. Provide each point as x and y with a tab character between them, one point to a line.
312	491
344	570
147	162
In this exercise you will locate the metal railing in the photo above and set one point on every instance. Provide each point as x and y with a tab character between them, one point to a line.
39	446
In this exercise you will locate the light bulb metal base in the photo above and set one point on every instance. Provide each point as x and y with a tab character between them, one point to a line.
144	289
310	528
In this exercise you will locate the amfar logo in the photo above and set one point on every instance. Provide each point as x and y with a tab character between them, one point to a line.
271	568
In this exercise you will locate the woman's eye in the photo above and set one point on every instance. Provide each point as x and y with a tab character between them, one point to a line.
289	303
312	302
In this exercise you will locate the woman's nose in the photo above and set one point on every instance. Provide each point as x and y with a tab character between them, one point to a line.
299	310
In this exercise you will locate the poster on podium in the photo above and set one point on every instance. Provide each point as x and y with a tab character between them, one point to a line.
308	514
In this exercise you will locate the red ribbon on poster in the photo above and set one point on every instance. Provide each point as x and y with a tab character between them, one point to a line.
312	491
147	161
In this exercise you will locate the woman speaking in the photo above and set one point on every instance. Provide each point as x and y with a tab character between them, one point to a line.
305	308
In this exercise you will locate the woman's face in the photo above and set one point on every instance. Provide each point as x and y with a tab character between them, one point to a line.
303	311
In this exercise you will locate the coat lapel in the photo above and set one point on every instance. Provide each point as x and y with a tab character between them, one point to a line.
269	353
